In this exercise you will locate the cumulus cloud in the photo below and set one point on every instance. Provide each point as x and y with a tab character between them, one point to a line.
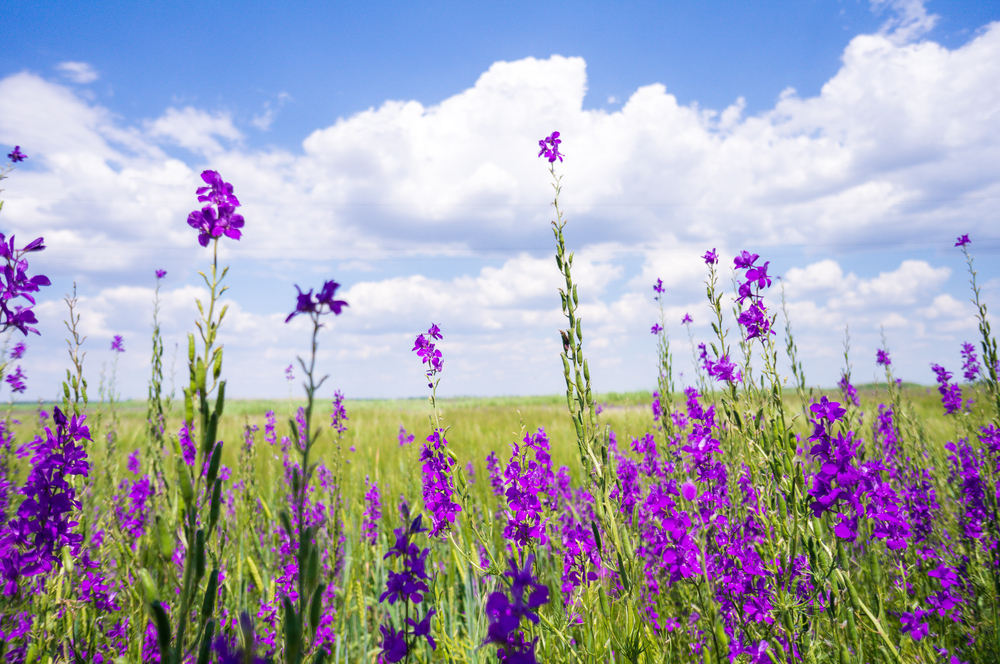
78	72
898	148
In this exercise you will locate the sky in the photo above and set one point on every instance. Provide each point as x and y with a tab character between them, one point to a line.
393	147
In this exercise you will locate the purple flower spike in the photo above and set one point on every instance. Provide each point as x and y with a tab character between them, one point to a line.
963	240
882	358
710	257
160	274
656	329
550	147
658	286
686	319
18	351
17	155
219	217
118	345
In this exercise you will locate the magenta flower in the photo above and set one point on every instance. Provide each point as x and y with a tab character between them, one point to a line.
15	282
160	274
550	147
656	329
963	240
372	513
219	217
914	624
686	319
428	353
16	381
658	286
17	155
970	362
882	357
710	257
18	351
118	344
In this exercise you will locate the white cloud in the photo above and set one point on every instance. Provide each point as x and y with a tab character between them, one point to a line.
909	19
78	72
899	147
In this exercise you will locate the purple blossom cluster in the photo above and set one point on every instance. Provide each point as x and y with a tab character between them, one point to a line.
951	393
428	353
219	216
439	483
526	482
970	363
132	502
338	417
16	155
849	391
43	524
549	147
372	514
409	586
754	319
16	283
323	302
505	611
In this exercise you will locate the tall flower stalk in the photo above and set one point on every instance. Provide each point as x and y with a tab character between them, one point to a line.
307	555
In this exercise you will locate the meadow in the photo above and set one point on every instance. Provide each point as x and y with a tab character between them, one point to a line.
746	518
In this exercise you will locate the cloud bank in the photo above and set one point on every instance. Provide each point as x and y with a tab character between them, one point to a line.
897	152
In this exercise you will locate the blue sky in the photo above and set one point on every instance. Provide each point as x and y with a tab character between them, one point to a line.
391	146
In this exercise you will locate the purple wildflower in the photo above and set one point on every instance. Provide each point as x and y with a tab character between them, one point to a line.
439	485
951	394
658	287
339	416
970	363
16	381
914	624
505	612
755	318
325	298
495	473
656	329
687	319
963	240
219	216
14	283
849	391
118	345
289	374
160	274
372	513
710	257
410	586
882	357
404	439
188	450
16	155
524	480
429	354
18	351
550	147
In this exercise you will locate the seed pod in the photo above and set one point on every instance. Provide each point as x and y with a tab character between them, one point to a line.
576	297
782	507
206	643
316	607
166	538
184	479
211	592
586	371
217	365
199	555
312	568
220	399
213	466
852	628
188	406
190	348
162	630
210	430
213	512
293	631
148	587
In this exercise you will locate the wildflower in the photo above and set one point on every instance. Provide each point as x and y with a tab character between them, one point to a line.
339	415
505	612
963	240
16	381
495	473
404	439
710	257
686	319
289	375
372	513
18	351
658	287
914	624
219	216
550	147
882	357
160	274
438	483
970	363
16	155
850	392
656	329
951	395
307	305
408	585
14	283
118	344
428	353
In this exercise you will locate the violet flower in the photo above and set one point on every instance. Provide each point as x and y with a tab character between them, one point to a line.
18	351
914	624
755	318
505	612
16	381
306	304
339	415
710	257
438	483
160	274
495	473
656	329
372	513
963	240
970	362
219	217
428	353
849	391
408	586
687	319
550	147
118	344
951	394
16	155
882	357
14	283
404	438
